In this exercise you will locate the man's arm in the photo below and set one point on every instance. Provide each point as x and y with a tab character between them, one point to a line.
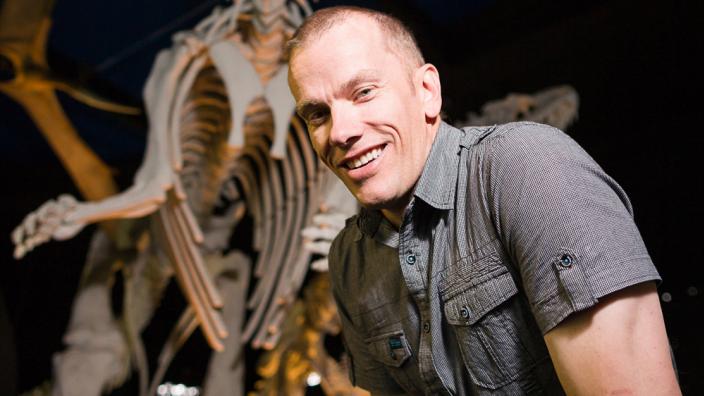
618	347
585	270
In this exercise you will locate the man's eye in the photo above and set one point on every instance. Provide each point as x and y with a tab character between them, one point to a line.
317	117
363	93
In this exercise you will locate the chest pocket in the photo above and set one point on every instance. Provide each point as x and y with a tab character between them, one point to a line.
483	316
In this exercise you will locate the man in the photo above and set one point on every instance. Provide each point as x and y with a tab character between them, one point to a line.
497	260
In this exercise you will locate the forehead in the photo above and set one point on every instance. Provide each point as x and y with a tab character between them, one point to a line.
349	32
338	54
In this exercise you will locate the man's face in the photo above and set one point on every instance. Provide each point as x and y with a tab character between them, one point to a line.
364	110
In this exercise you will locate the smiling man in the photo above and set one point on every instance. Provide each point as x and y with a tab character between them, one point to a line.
363	116
494	260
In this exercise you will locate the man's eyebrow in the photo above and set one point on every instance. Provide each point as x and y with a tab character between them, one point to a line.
364	75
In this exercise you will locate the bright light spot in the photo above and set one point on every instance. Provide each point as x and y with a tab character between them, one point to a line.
313	379
692	291
169	389
666	297
178	390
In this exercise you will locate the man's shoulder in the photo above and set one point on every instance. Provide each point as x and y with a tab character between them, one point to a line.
351	226
515	133
344	239
524	143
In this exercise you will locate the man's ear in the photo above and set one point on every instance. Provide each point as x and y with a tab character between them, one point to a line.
430	90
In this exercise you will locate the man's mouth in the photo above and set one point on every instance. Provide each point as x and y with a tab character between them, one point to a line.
364	159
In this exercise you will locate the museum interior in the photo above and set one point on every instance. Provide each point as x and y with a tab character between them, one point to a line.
199	267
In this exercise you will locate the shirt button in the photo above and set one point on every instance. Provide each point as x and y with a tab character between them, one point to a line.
464	312
411	259
566	260
426	326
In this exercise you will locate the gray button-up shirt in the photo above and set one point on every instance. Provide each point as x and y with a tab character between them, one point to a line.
511	229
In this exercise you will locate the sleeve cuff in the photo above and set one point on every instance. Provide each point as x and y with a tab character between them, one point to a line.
578	289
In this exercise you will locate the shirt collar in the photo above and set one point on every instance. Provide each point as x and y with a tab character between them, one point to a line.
372	224
436	185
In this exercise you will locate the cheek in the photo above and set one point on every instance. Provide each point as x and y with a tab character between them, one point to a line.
317	141
320	147
394	111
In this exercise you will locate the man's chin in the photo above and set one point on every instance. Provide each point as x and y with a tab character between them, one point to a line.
372	203
382	202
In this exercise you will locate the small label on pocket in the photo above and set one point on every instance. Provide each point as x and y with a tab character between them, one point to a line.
395	343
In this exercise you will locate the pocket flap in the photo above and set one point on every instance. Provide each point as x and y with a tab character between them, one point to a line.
392	348
469	305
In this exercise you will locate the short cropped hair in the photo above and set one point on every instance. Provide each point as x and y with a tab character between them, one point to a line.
399	37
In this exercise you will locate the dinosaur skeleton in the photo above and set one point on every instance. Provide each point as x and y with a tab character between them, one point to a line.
213	100
556	106
158	186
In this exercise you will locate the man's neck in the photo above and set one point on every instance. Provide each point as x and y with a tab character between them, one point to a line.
395	213
393	216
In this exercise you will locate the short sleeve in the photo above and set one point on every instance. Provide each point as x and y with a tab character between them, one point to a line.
563	221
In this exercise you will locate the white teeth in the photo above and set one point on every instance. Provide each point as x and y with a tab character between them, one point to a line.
365	159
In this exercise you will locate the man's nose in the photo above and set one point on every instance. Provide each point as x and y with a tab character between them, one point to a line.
346	127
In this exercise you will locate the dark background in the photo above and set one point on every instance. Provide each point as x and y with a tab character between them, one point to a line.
633	64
